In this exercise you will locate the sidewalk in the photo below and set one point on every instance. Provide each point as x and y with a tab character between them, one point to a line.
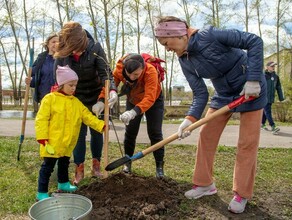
12	127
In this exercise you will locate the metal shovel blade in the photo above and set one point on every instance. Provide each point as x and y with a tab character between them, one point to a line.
119	162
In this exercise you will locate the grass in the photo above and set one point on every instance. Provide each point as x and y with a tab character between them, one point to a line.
18	179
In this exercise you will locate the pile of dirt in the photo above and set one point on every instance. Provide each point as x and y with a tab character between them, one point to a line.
123	196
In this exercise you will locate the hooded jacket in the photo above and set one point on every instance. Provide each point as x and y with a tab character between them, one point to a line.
92	70
273	85
58	121
145	91
218	55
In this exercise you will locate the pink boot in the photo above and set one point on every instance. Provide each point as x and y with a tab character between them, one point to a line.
79	173
95	169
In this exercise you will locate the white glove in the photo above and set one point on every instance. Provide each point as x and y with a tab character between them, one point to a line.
186	123
113	98
251	88
98	108
127	116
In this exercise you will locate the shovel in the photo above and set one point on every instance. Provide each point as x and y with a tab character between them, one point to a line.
113	165
21	139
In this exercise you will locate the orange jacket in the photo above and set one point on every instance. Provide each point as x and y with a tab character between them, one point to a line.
147	89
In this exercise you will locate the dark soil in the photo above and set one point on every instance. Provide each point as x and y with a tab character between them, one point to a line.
122	196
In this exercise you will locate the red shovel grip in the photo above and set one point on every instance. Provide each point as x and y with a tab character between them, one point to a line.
239	101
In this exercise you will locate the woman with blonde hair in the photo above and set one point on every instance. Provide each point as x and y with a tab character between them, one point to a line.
42	78
77	49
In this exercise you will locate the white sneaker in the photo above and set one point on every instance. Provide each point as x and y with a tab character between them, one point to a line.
237	204
199	191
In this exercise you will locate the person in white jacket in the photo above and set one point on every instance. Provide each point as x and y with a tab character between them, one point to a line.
57	126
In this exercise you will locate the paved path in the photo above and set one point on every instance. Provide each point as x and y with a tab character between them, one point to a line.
12	127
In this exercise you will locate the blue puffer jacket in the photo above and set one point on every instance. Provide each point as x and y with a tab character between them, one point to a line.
42	75
219	55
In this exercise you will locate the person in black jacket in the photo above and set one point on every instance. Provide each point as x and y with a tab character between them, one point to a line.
273	85
42	78
78	50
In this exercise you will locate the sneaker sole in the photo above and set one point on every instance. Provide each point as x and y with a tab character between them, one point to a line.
208	193
236	212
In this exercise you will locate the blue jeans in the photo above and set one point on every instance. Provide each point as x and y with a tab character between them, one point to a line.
268	115
154	117
47	168
96	143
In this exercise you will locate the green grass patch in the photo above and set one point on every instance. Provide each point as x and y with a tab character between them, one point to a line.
18	179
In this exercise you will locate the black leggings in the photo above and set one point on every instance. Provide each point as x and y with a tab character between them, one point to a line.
154	117
47	168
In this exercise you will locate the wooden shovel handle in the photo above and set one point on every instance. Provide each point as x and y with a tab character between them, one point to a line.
198	123
106	131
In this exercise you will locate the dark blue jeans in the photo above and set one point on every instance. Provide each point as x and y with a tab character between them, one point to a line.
47	168
154	117
268	115
96	143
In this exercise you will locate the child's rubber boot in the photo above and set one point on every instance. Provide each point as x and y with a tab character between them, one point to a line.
41	196
66	187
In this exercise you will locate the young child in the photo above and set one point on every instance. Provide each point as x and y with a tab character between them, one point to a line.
57	126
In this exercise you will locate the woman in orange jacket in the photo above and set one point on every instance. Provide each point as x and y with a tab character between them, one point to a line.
144	95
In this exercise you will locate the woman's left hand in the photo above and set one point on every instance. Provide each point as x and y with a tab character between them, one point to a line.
113	98
251	88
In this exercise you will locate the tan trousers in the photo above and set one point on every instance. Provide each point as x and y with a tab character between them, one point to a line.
246	155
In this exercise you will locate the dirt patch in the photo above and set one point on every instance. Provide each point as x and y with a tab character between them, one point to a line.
122	196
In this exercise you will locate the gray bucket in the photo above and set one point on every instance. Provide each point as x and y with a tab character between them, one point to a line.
62	206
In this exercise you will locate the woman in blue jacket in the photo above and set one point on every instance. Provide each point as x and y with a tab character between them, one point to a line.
42	77
219	55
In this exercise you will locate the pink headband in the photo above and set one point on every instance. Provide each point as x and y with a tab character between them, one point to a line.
171	29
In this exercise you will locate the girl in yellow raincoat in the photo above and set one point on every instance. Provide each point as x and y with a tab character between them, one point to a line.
57	128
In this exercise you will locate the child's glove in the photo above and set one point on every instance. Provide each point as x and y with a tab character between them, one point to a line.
50	149
186	123
98	108
113	98
127	116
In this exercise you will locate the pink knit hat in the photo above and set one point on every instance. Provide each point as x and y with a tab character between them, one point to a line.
65	74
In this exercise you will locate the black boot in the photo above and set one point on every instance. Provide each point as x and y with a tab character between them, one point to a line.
159	169
127	167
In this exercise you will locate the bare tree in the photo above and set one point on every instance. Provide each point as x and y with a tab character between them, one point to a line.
135	6
13	25
92	18
281	11
59	13
258	13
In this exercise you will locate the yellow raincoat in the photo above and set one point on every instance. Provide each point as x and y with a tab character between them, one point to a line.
58	121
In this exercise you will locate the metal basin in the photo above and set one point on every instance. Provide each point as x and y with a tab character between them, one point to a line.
62	206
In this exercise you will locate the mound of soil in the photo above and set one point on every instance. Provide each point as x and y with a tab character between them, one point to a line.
123	196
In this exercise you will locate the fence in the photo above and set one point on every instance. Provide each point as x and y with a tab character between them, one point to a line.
8	98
